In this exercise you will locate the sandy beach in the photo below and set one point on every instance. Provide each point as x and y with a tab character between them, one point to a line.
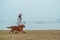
31	35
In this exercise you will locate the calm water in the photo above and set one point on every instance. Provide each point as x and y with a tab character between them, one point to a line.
34	26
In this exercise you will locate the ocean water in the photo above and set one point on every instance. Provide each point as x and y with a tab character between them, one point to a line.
33	26
43	26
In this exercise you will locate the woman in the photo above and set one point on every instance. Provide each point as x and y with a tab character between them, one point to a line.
20	19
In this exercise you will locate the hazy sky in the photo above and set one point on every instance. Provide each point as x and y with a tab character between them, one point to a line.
32	10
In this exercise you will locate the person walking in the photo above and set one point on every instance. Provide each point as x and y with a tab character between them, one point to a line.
20	19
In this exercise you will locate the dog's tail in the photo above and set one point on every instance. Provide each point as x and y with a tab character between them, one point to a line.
8	27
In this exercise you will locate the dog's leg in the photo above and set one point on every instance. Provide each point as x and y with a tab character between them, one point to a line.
15	32
22	31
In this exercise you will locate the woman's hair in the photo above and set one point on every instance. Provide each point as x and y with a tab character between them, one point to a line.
20	16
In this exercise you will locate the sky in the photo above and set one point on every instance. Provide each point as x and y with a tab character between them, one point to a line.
32	10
